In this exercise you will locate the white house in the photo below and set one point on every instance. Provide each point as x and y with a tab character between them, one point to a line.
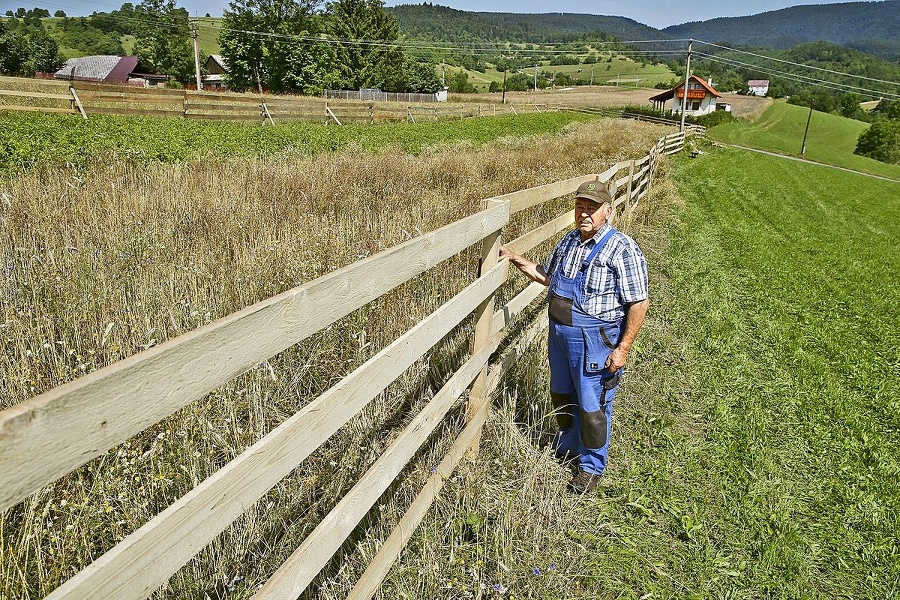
758	87
702	98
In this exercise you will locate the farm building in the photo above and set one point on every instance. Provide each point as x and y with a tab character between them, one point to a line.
216	67
758	87
114	70
702	98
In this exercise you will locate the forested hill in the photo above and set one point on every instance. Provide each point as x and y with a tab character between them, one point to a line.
434	22
868	26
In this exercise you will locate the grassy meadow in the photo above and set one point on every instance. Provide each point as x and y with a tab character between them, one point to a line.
831	138
109	255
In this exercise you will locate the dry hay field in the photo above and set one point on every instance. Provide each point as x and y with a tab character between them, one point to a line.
104	262
611	96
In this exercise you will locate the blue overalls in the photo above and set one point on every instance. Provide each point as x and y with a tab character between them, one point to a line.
579	345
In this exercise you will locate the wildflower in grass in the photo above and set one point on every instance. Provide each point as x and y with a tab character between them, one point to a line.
535	571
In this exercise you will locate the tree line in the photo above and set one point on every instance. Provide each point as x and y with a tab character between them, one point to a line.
284	46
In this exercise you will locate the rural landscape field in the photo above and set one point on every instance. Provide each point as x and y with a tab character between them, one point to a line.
754	442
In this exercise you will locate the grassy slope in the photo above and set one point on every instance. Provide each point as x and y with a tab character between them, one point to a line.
623	67
794	344
831	139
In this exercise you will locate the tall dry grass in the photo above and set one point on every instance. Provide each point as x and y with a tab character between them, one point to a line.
101	265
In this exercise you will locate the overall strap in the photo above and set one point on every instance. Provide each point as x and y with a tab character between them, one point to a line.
586	263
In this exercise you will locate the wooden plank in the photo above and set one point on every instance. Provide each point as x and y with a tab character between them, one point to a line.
202	117
35	95
230	117
203	97
127	90
390	551
77	102
128	112
13	107
148	557
45	437
526	242
538	195
202	106
50	83
120	99
295	574
508	312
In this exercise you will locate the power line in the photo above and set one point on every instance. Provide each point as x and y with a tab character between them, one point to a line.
837	86
796	64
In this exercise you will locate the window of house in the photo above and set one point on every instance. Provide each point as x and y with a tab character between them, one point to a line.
695	105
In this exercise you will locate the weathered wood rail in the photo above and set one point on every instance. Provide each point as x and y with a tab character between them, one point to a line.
100	99
50	435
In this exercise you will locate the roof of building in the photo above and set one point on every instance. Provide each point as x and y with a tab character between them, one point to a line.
222	62
669	94
758	83
100	68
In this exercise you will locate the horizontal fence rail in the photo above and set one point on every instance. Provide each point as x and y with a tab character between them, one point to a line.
336	108
48	436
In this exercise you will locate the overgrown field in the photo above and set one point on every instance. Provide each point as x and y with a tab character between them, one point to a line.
121	253
28	140
831	138
754	449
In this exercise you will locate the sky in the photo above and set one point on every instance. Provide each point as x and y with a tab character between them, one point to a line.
657	13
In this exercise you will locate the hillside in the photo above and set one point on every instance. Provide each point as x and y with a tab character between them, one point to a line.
436	22
868	26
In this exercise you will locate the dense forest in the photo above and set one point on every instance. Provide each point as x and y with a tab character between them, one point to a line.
873	27
433	22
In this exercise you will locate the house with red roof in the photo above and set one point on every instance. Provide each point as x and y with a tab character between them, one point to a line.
702	98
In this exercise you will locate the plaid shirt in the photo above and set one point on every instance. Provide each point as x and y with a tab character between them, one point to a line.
617	276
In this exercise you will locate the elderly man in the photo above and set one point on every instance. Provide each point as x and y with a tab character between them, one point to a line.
598	300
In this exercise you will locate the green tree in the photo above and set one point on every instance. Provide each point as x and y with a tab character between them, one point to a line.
881	141
276	42
365	51
60	14
163	39
458	82
13	51
43	53
421	77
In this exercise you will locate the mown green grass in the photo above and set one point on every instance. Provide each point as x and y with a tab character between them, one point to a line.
784	284
754	443
831	138
30	140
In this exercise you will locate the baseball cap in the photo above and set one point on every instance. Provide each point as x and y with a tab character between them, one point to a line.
594	191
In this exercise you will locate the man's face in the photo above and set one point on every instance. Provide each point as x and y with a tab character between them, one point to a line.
590	217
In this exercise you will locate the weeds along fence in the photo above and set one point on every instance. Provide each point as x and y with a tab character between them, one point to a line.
50	435
34	95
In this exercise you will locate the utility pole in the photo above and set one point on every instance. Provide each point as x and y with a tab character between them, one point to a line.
443	74
808	119
195	33
535	76
592	74
503	98
687	76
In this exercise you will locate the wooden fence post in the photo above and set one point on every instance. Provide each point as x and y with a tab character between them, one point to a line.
77	101
479	397
630	187
409	116
372	113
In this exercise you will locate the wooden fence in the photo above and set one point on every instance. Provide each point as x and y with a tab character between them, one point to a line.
48	436
36	95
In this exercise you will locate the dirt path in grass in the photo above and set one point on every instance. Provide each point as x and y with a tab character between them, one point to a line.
811	162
